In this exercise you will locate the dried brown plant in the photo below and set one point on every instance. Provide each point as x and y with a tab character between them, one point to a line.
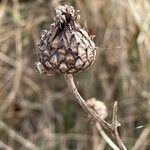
39	111
67	36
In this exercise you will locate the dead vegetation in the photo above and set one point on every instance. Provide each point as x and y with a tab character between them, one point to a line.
39	112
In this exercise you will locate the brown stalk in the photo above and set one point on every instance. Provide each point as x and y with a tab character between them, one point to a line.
108	131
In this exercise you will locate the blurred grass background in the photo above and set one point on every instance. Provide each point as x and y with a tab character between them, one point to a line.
38	112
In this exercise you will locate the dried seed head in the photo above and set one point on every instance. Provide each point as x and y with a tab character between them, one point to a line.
98	106
66	48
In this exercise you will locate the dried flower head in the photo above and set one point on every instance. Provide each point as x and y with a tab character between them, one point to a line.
66	47
98	106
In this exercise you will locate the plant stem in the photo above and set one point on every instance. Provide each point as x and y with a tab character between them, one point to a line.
108	131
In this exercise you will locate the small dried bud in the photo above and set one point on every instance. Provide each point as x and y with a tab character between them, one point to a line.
66	48
98	106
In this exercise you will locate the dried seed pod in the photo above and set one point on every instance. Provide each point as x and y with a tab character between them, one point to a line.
98	106
66	48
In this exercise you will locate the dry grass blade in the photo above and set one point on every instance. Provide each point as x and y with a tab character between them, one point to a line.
7	59
13	134
4	146
142	141
19	69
